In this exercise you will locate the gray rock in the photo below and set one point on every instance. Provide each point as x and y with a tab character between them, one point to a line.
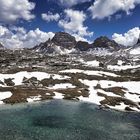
64	40
104	42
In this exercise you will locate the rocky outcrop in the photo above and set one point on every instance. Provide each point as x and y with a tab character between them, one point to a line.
45	47
65	43
64	40
83	46
104	42
61	43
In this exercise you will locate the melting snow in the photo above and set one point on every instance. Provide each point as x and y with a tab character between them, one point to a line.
119	68
89	72
135	51
62	86
18	77
58	95
94	63
4	95
121	107
131	86
108	93
120	62
93	97
34	98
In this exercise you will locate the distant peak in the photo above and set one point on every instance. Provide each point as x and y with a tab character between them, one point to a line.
64	39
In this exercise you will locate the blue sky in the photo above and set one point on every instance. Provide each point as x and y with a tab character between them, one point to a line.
99	27
85	19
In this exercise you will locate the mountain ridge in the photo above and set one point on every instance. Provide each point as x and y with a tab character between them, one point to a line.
65	41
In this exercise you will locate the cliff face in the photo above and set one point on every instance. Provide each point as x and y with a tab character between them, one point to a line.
83	46
64	40
104	42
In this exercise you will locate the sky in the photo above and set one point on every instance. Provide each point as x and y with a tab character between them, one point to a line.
26	23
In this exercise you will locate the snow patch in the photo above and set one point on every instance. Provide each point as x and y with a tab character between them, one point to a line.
119	68
131	86
89	72
62	86
120	107
34	98
93	97
58	95
4	95
93	63
18	77
135	51
107	93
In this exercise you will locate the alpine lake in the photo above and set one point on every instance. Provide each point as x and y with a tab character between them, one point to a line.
66	120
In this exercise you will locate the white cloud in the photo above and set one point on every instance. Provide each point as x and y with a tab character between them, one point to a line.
129	38
74	23
12	10
18	37
50	16
69	3
105	8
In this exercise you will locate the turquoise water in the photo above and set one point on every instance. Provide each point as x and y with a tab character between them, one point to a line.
66	120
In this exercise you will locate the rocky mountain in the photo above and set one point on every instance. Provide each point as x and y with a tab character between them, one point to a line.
61	43
64	40
65	43
104	42
83	46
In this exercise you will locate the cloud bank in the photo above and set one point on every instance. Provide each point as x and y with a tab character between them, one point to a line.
50	16
74	23
17	37
105	8
129	38
12	10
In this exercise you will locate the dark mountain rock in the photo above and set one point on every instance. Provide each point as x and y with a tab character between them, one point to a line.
44	46
59	43
104	42
64	40
82	46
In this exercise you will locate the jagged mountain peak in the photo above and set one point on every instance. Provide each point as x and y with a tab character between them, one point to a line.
64	40
83	45
105	42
